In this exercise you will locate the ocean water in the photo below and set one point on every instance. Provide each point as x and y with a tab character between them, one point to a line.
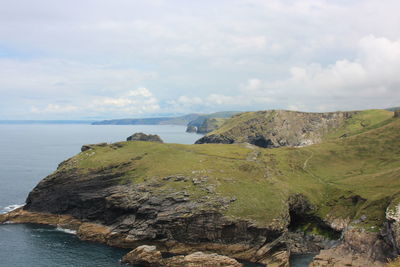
28	153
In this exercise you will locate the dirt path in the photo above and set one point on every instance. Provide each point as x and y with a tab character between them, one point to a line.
253	155
306	161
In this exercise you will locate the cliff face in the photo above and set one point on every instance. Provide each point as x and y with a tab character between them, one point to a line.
276	128
237	200
209	122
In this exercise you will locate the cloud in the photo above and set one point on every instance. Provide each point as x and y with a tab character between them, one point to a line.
133	102
196	56
371	80
54	109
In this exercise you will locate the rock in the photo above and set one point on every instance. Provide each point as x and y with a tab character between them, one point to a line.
215	138
145	137
358	248
199	259
91	146
210	124
397	114
147	256
23	216
277	259
191	129
93	232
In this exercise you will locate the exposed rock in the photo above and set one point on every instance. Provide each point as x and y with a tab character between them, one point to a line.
191	129
216	139
276	128
209	122
147	256
391	229
141	213
144	137
277	259
397	114
199	259
358	248
91	146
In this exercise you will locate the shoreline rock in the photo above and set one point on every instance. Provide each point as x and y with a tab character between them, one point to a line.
357	248
149	256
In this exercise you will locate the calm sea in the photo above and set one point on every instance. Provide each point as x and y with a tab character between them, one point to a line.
28	153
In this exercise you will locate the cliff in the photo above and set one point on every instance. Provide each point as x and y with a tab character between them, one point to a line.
209	122
276	128
237	200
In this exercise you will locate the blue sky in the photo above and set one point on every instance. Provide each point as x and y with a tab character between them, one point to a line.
126	58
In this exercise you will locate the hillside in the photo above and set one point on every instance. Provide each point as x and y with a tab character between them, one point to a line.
238	200
209	122
181	120
276	128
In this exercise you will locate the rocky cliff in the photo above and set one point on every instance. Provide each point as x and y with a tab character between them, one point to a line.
238	200
276	128
145	137
209	122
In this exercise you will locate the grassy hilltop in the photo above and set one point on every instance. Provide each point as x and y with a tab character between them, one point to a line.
352	177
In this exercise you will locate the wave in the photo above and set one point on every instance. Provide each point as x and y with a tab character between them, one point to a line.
68	231
11	208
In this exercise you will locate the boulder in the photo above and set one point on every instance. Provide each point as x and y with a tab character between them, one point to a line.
147	256
199	259
145	137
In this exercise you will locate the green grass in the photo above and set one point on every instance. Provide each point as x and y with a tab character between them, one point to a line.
342	177
362	121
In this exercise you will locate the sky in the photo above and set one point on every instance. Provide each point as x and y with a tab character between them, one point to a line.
98	59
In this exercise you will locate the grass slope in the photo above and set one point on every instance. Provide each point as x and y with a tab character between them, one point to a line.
342	177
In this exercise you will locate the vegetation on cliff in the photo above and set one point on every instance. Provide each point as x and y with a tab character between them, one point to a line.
240	199
347	178
209	122
276	128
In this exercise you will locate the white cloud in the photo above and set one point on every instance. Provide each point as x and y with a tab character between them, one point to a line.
196	55
133	102
371	80
54	109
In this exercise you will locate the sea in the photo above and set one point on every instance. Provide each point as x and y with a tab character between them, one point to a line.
28	153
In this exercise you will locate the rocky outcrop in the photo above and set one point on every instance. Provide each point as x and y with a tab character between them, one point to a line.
144	137
191	129
397	114
201	259
276	128
358	248
209	122
143	214
149	256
